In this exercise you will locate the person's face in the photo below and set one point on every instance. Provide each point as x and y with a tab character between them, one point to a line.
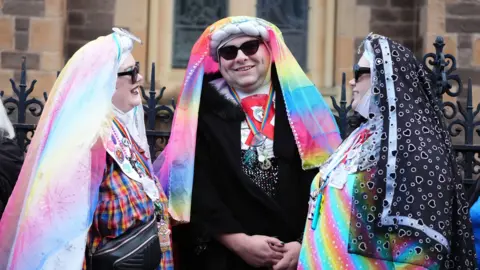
127	92
248	70
362	84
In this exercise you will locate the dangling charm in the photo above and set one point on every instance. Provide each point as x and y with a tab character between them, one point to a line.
249	157
265	164
163	235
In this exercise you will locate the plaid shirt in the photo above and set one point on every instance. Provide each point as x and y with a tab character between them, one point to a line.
122	205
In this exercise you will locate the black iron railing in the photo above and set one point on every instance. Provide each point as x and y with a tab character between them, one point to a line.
460	118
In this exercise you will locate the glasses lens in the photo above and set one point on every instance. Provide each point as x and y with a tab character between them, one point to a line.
355	72
359	71
134	75
250	47
228	52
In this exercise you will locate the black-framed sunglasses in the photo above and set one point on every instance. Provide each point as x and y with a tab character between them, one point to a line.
133	72
248	48
359	71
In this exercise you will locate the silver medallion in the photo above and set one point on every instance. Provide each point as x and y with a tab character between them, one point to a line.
266	165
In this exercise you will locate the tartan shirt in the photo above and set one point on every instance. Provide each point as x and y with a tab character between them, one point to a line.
122	204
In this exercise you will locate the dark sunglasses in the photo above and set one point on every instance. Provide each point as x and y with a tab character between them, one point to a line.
359	71
248	48
133	72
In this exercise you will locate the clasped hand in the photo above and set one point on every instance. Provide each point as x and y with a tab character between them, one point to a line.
264	251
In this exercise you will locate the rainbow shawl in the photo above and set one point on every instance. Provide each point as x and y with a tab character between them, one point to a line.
47	218
313	125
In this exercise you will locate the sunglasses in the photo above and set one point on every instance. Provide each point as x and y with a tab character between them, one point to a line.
359	71
133	73
248	48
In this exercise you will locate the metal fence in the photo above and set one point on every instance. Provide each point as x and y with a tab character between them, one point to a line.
461	122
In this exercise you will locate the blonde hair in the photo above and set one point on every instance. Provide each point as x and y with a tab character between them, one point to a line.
6	127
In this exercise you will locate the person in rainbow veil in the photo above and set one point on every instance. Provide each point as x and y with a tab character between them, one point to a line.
249	130
86	195
391	196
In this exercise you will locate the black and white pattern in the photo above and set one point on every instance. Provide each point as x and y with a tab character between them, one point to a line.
267	180
413	208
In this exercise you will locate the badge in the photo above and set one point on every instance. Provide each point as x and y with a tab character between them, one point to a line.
119	154
257	113
127	168
125	142
114	140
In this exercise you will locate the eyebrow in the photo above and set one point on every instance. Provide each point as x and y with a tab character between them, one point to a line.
228	44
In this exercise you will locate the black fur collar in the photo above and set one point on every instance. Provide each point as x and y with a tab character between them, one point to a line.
214	102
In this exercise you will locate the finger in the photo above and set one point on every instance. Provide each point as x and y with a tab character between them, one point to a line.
273	262
276	255
274	241
276	248
279	265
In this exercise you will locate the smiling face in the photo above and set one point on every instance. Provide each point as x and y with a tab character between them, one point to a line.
127	94
362	85
244	72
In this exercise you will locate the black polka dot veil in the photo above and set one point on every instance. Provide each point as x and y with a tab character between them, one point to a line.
410	206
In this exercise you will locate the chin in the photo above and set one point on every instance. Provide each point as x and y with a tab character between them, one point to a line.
354	105
136	101
244	84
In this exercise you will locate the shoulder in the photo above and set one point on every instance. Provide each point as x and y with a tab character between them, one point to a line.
10	150
217	103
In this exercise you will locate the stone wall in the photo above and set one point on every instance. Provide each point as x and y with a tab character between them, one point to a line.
397	19
87	20
462	21
34	29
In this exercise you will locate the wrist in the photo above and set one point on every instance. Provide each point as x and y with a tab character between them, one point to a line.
299	240
234	241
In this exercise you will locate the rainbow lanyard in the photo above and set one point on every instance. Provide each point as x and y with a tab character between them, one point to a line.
266	110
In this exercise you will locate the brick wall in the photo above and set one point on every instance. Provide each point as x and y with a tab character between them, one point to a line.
87	20
34	29
462	22
397	19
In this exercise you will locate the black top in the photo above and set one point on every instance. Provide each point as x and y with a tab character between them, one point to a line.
11	160
225	199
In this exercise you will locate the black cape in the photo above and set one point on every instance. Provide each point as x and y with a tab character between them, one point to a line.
225	200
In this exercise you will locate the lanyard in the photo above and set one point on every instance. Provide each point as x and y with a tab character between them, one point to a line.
266	111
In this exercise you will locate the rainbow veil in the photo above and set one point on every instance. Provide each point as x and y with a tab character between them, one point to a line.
47	218
313	125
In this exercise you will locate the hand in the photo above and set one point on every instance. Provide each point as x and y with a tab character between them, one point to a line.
262	251
255	250
290	257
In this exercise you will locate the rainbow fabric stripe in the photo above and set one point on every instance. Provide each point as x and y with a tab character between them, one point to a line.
326	247
311	120
47	218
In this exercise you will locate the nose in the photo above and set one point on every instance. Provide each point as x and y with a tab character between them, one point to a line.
139	78
241	57
351	82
